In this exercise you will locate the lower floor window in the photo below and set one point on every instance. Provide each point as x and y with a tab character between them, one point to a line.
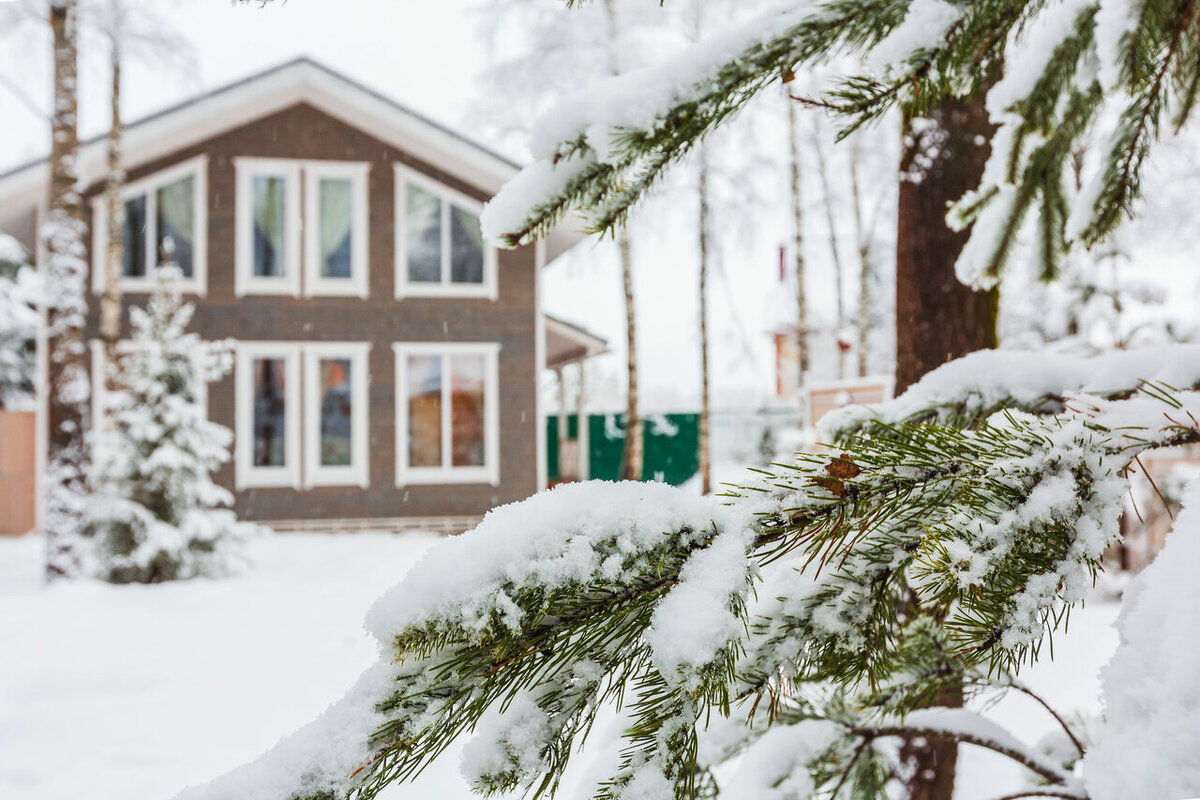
302	414
446	413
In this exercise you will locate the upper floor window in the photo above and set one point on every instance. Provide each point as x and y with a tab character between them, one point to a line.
165	222
440	250
301	227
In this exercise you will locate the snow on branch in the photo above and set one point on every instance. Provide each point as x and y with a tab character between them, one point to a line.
978	385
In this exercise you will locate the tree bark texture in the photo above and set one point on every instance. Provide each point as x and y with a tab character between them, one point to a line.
802	354
66	309
705	457
110	301
937	317
631	464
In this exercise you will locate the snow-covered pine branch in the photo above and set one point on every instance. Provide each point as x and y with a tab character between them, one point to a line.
155	513
19	299
681	610
1063	63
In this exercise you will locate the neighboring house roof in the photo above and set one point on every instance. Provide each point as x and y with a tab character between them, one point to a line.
299	81
568	343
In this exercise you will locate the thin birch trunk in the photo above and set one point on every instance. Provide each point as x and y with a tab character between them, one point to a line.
631	461
63	518
110	301
823	174
865	268
802	353
631	466
705	455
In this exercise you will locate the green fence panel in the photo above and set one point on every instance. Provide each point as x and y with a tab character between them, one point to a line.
671	446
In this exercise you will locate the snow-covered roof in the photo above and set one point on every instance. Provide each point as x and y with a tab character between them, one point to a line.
300	80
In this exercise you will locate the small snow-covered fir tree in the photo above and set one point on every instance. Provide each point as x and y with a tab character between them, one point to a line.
18	324
156	514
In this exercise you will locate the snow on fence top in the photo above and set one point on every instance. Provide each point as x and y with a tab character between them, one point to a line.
982	382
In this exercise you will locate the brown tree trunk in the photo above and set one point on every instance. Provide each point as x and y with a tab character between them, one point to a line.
66	309
802	355
705	458
937	317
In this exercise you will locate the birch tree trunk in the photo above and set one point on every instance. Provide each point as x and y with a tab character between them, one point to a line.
705	455
110	301
802	354
631	464
62	236
834	253
862	237
631	460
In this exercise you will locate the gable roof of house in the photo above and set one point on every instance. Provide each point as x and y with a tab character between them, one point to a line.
268	92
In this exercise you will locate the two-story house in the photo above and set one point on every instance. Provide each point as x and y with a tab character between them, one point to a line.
387	358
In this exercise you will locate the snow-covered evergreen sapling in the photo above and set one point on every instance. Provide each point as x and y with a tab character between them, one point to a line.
19	292
156	514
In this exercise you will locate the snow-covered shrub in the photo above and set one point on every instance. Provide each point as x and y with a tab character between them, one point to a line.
18	324
156	514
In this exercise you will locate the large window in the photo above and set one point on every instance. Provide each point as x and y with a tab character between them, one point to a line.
165	222
440	251
447	413
302	227
302	438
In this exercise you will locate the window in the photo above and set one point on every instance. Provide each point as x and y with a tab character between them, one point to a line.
447	413
165	222
440	251
335	400
301	227
302	438
268	415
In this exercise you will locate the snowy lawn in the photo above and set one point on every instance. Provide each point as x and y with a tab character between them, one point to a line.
138	692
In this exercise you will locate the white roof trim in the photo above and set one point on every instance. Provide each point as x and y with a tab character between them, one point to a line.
267	93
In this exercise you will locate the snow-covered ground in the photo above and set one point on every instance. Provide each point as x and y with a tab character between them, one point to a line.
137	692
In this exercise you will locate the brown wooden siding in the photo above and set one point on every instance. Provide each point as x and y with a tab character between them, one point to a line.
303	132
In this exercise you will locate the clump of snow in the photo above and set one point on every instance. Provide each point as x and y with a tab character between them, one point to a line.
776	766
509	210
924	28
696	620
571	533
507	742
1149	745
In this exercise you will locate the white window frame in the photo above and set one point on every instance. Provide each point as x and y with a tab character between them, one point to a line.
195	168
245	281
358	471
356	173
288	475
489	473
406	176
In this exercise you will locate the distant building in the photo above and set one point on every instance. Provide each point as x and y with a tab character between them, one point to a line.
387	358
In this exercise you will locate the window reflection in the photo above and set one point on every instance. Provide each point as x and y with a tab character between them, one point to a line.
466	247
336	202
466	410
175	223
336	411
423	234
270	413
424	390
270	215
